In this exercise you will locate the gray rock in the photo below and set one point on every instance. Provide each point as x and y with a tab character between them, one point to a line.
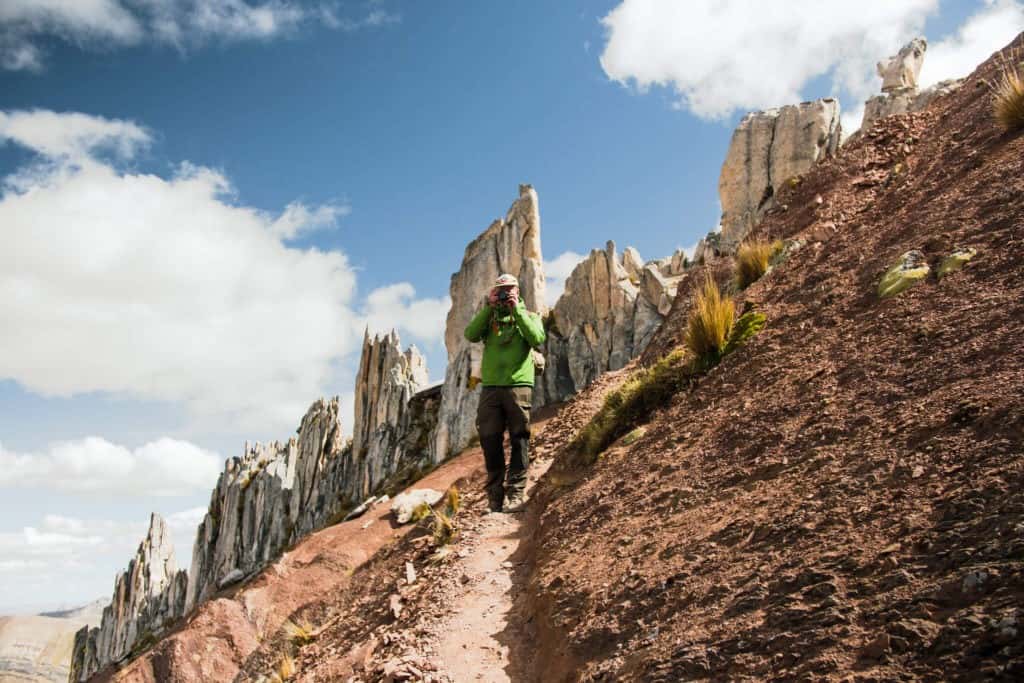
406	503
510	245
601	322
901	70
768	149
148	595
232	577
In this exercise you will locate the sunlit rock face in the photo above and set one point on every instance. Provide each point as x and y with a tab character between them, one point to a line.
510	245
767	150
608	313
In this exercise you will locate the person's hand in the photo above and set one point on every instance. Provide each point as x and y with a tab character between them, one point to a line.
513	297
492	298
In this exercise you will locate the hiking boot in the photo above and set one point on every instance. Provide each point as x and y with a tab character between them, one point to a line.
515	502
495	504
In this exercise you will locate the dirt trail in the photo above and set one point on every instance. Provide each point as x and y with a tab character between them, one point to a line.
485	639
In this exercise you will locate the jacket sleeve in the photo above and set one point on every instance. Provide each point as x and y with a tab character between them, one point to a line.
530	326
476	330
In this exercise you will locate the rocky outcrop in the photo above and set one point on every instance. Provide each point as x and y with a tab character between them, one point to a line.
770	148
147	596
604	319
901	70
387	380
899	85
270	497
509	245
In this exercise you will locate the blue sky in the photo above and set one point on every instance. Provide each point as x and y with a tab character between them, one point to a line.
353	148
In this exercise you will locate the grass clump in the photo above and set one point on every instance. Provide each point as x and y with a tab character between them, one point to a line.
753	259
1008	99
299	633
707	328
631	403
713	332
421	511
286	669
452	501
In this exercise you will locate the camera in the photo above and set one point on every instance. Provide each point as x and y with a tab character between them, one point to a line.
503	295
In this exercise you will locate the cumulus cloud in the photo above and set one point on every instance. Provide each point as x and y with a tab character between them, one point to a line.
185	24
984	32
555	273
94	466
396	306
161	288
297	217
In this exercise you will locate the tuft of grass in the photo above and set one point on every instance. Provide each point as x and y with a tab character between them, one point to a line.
632	403
753	259
1008	99
299	633
444	528
452	501
286	669
707	328
421	511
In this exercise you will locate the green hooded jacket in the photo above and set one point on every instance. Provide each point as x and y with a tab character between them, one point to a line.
508	337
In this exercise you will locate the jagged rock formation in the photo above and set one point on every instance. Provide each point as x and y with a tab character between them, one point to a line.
509	245
768	149
270	497
899	85
387	380
147	596
608	313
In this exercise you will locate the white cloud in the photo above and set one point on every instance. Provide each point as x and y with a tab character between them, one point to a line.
986	31
396	306
71	134
722	56
297	217
555	273
94	466
182	23
162	288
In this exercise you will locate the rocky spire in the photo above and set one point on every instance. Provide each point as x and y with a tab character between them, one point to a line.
899	85
509	245
147	596
608	313
387	379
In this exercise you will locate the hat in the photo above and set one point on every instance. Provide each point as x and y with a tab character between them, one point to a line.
506	280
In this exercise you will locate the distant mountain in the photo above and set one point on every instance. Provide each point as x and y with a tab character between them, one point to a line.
38	647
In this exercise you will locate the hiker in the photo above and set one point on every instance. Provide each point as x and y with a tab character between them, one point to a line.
509	333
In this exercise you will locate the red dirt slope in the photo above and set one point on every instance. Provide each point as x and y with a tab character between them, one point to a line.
843	498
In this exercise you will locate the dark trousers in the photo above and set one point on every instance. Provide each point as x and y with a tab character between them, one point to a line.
501	409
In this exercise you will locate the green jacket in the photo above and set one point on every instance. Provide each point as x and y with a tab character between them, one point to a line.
508	337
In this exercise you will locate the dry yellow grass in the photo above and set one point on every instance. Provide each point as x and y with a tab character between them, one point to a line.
299	633
1008	99
709	324
753	259
286	669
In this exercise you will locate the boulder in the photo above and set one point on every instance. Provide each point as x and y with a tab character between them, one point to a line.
767	149
910	269
406	503
956	261
510	245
